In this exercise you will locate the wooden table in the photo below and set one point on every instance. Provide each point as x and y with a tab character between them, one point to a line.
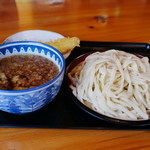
91	20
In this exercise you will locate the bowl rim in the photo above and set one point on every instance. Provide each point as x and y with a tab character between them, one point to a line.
90	111
40	87
29	32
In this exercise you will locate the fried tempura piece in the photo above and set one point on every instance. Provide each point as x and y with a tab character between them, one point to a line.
65	45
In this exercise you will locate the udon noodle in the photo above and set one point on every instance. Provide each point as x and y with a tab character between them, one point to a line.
114	83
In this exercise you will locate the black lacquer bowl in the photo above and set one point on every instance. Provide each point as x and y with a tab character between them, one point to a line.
107	119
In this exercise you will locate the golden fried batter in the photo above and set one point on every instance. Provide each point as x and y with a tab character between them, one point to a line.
65	45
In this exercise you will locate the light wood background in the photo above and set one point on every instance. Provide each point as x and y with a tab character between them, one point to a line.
91	20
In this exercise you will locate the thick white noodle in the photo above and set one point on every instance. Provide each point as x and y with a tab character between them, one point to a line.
114	83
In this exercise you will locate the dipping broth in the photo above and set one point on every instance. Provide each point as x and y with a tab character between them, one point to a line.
19	72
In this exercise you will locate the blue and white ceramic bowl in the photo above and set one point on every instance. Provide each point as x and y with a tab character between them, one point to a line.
30	100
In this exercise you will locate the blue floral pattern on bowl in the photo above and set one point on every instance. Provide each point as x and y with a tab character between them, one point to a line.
25	101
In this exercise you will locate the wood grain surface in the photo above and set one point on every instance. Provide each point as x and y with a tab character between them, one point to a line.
91	20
